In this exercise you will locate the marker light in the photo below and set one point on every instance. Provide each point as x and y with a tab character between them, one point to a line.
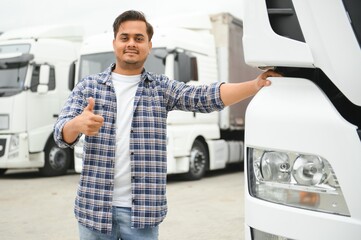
293	179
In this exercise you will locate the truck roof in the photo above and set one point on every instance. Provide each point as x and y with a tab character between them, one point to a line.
187	21
65	32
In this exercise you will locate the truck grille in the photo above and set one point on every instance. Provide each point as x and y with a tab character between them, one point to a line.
2	147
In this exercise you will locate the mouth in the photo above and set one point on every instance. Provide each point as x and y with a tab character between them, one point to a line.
131	52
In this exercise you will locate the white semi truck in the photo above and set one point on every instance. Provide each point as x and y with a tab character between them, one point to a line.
36	75
197	50
303	133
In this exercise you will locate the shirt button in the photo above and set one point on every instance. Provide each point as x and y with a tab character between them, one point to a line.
132	153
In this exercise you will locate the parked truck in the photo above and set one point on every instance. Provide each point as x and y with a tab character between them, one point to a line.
196	50
36	75
303	133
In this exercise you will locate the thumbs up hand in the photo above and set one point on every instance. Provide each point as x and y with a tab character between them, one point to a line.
90	123
91	104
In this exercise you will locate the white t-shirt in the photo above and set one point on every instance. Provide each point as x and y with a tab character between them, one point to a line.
125	89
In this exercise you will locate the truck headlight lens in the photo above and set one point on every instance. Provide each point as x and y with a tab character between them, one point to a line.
294	179
275	167
14	143
309	170
14	146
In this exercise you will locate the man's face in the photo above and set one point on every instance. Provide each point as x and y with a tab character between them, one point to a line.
131	46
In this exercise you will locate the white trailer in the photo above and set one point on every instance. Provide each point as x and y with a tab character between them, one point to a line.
196	50
303	133
36	75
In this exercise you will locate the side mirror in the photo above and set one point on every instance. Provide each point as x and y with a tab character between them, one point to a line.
42	89
188	69
43	79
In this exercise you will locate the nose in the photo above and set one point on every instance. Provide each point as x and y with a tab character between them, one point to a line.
131	43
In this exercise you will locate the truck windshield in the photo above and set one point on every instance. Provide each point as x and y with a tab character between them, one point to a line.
14	61
98	62
95	63
155	63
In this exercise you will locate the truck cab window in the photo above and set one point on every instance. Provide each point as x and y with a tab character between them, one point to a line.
35	78
353	10
51	79
185	67
12	80
13	69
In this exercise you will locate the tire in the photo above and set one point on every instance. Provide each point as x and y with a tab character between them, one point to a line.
2	171
198	161
57	160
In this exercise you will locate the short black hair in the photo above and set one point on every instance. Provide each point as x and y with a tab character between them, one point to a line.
132	15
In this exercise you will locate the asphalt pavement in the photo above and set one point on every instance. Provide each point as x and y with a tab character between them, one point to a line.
38	208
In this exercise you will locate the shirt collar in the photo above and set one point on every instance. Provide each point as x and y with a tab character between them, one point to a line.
105	77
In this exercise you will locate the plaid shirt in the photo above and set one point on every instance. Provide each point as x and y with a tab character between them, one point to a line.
156	95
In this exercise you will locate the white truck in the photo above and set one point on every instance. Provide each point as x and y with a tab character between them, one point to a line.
37	72
303	133
197	50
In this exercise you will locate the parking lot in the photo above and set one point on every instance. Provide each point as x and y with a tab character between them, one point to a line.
33	207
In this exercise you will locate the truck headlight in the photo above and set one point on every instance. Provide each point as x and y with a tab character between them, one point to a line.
294	179
14	146
275	167
310	170
14	143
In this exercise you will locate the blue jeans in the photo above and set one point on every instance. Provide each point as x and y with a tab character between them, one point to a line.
121	229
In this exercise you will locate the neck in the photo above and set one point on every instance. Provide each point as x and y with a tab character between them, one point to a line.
128	69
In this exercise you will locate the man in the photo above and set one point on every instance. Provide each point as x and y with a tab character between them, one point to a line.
122	111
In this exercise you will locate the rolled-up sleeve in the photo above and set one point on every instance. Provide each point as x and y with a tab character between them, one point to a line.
73	107
202	98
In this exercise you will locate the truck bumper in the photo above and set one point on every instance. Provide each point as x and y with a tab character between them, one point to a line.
14	152
293	223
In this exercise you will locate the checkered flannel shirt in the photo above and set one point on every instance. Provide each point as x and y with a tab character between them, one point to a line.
156	95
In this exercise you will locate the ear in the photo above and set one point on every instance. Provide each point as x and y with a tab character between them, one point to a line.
114	44
150	45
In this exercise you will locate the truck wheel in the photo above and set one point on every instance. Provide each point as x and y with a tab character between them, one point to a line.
57	160
2	171
198	161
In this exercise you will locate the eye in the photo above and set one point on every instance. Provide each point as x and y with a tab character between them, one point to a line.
123	38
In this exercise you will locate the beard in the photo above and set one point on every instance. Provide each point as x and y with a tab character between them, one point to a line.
131	60
134	61
131	64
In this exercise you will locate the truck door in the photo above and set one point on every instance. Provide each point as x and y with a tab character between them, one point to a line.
41	107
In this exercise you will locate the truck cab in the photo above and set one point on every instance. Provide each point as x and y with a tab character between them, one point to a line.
36	72
302	135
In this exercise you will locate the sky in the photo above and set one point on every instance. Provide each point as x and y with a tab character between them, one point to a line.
98	15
